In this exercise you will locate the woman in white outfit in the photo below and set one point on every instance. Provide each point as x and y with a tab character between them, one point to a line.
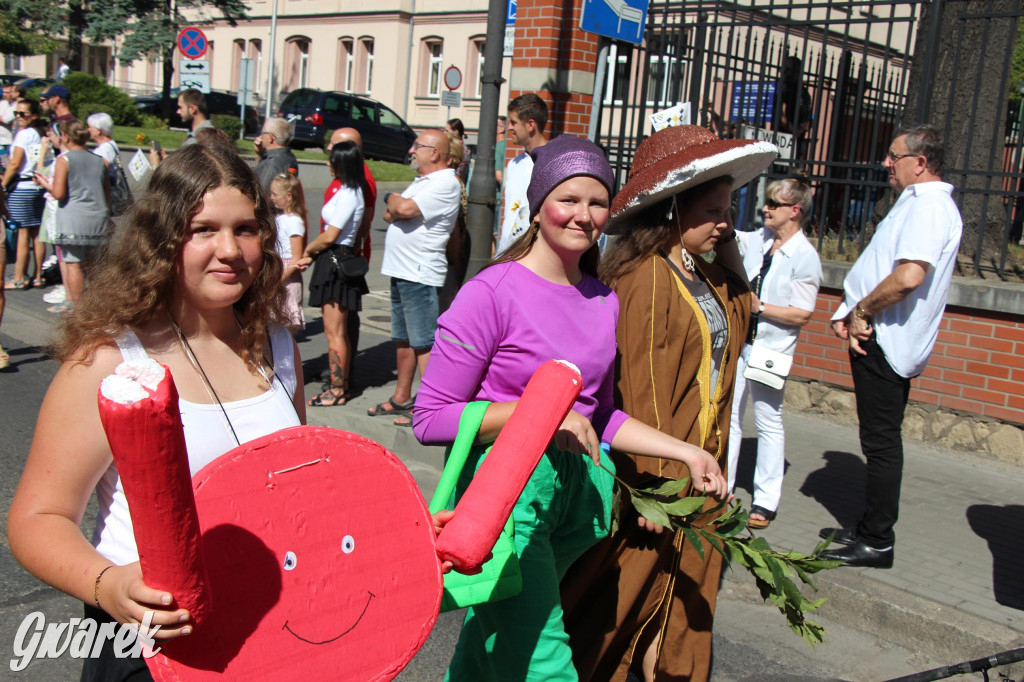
785	273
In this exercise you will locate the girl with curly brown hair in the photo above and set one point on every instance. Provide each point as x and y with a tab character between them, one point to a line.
191	280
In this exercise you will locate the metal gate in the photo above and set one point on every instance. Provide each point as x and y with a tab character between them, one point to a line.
826	81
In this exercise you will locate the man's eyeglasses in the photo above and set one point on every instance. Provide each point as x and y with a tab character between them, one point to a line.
22	113
771	205
896	157
417	146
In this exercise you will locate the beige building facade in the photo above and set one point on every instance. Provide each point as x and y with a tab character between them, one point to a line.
393	51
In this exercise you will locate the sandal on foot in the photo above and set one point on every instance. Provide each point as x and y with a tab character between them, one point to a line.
60	308
404	418
383	409
5	359
329	399
769	516
20	284
37	282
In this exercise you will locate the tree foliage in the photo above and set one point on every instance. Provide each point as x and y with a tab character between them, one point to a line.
25	26
90	94
151	27
1017	66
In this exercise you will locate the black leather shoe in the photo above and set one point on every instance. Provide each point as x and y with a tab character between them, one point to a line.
859	554
842	536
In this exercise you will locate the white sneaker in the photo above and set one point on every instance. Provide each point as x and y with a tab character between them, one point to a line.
55	296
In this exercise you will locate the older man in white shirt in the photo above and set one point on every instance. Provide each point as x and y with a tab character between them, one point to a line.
420	222
895	295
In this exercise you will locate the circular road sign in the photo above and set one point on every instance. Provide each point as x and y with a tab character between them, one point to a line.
452	78
192	43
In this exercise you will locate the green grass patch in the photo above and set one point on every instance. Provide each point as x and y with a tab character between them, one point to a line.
132	136
144	137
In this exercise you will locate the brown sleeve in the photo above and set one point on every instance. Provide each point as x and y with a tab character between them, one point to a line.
649	361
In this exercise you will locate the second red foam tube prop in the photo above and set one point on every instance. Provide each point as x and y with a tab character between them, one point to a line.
487	503
148	445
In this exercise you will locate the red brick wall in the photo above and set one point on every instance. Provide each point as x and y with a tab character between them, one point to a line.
977	365
548	37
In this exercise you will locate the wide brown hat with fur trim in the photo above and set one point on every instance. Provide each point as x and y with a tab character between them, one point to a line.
680	157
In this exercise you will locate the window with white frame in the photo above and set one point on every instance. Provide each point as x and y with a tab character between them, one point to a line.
478	86
664	83
256	54
348	65
434	49
617	76
303	46
367	44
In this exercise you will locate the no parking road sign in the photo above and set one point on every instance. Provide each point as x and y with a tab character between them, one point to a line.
192	43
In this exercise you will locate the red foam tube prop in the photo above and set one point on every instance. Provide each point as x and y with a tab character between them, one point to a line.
148	444
487	503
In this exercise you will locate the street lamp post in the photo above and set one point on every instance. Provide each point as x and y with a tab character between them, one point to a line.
483	185
270	64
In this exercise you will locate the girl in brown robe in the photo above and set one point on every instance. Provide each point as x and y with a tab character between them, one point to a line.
643	599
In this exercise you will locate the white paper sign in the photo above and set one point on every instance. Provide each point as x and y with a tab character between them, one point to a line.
139	166
679	115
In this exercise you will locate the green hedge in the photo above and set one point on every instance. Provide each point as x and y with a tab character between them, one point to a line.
89	92
229	124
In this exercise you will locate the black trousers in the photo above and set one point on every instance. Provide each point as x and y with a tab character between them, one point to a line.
881	400
108	667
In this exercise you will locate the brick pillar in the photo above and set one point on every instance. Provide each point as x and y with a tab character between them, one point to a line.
556	60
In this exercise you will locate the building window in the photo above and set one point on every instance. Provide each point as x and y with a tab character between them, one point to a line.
12	63
434	49
477	60
348	64
237	52
664	83
617	77
304	63
256	55
296	63
367	44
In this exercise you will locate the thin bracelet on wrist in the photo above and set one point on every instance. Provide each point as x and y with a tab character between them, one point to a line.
96	586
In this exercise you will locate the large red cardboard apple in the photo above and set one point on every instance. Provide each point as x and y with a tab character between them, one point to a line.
312	558
308	553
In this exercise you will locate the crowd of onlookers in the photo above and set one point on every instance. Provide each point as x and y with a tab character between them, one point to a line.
56	199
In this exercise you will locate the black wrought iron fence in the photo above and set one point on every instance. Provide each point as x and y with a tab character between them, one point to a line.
829	82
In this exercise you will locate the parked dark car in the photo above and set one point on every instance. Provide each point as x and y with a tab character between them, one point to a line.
11	78
33	83
314	113
217	102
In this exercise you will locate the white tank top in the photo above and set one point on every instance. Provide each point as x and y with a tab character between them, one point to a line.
207	437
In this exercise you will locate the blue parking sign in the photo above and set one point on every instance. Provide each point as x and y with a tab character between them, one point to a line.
510	14
617	19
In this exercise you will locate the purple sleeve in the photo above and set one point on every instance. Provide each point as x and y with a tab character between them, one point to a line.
607	419
467	337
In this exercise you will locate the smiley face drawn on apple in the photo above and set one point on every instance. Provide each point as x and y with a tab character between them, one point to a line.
320	555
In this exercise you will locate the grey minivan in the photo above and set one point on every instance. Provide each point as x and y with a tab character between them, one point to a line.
314	113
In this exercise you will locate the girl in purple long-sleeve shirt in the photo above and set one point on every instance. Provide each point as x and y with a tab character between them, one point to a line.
541	301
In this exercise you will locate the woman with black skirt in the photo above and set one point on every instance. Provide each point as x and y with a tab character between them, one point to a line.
338	281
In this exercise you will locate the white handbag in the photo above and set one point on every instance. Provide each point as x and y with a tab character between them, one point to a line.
768	367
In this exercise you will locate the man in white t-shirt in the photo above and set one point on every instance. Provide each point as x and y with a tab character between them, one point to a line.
527	116
420	220
894	298
7	106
